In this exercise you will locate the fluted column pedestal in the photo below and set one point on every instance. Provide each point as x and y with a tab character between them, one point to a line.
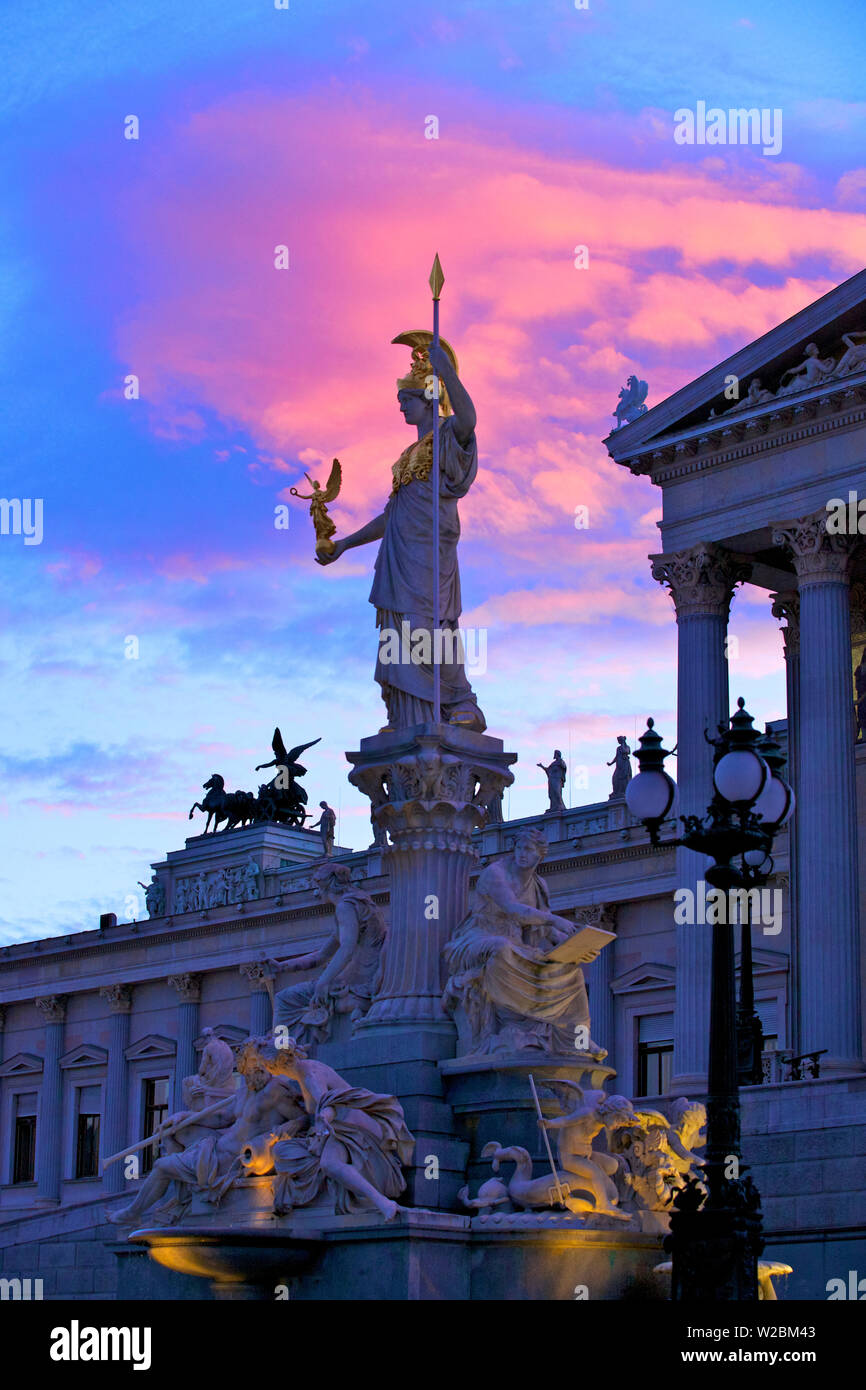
701	582
188	987
49	1123
119	1000
428	786
829	963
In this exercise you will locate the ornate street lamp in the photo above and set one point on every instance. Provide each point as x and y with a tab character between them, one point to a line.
715	1237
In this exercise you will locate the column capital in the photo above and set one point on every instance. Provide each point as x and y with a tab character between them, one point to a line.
52	1007
819	557
117	997
597	915
701	580
257	973
429	786
786	604
188	987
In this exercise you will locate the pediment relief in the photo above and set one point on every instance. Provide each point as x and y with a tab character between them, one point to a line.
812	355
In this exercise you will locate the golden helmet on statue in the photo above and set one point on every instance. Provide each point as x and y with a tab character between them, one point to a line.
420	371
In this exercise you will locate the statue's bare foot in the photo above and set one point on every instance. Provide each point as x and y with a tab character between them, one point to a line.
388	1208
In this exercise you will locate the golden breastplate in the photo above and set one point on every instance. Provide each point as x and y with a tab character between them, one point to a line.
414	462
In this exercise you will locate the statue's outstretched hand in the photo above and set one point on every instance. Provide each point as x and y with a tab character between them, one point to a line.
339	547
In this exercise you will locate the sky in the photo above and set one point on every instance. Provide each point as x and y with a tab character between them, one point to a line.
308	127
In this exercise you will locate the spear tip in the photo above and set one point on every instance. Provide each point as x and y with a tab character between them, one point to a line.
437	279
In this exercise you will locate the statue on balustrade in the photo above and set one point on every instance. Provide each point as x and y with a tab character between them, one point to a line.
243	1124
326	825
154	896
353	955
621	764
556	774
517	995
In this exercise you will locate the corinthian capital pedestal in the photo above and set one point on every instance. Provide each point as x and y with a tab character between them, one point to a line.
429	786
701	580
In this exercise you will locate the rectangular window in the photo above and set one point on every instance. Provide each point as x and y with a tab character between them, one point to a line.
87	1146
655	1052
24	1160
155	1111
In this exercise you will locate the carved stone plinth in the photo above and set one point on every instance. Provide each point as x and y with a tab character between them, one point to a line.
429	787
491	1098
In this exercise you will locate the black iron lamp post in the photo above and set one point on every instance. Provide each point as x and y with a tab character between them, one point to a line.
715	1238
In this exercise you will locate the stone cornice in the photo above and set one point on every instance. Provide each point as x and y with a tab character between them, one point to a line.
717	442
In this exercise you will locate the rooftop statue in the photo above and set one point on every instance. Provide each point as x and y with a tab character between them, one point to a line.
621	764
515	994
235	808
812	370
326	825
632	401
282	799
416	625
556	774
154	896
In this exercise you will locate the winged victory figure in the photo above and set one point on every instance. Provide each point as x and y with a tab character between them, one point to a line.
318	498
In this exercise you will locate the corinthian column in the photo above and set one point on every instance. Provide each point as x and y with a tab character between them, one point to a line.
189	989
787	605
259	976
119	1000
829	974
701	582
49	1124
